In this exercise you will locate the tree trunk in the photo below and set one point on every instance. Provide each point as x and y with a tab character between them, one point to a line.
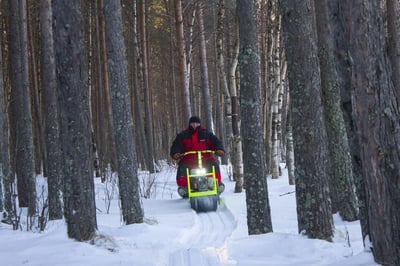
338	13
194	94
376	114
393	24
148	114
204	71
222	77
273	88
32	40
132	211
258	209
172	94
105	145
181	59
5	192
309	137
289	150
51	110
236	154
268	44
342	188
76	138
21	106
137	77
275	112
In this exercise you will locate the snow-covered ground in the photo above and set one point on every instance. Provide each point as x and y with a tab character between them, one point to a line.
175	235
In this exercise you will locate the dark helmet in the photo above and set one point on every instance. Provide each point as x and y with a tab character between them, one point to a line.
195	119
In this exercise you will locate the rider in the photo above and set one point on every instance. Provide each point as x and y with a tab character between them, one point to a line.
195	138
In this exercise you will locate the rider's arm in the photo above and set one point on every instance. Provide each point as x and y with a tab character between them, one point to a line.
176	145
218	145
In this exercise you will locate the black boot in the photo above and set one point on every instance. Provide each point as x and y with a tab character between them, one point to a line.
221	188
182	191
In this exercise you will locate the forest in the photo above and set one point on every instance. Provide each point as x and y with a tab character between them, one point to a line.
88	86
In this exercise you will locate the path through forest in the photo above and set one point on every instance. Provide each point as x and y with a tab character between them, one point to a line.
203	242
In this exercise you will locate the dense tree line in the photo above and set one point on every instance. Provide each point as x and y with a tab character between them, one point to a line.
94	84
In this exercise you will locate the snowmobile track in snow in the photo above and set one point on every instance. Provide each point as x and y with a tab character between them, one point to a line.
203	243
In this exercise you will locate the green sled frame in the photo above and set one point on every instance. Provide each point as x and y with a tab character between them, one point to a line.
202	201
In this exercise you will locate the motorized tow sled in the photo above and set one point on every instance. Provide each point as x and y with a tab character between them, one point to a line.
203	189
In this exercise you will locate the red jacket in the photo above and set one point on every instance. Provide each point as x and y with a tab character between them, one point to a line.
199	139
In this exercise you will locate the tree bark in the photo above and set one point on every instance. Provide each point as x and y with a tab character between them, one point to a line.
275	110
5	189
172	92
290	151
137	78
222	77
393	25
33	39
132	211
237	154
51	110
181	59
342	188
376	113
338	14
105	145
258	208
76	138
309	137
204	71
148	114
21	106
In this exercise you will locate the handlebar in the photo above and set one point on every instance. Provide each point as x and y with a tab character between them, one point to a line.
197	152
199	156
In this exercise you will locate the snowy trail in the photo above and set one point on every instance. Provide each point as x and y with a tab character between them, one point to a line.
203	243
203	237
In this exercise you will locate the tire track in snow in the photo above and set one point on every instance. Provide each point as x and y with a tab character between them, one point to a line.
200	244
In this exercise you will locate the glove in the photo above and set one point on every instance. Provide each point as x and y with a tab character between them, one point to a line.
176	156
219	152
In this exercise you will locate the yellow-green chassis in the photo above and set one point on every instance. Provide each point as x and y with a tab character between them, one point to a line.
194	194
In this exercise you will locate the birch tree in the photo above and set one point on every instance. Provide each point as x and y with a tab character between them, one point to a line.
289	150
5	195
236	144
276	101
204	70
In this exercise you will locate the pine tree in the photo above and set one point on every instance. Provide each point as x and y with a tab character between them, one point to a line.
76	138
309	136
258	208
122	115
